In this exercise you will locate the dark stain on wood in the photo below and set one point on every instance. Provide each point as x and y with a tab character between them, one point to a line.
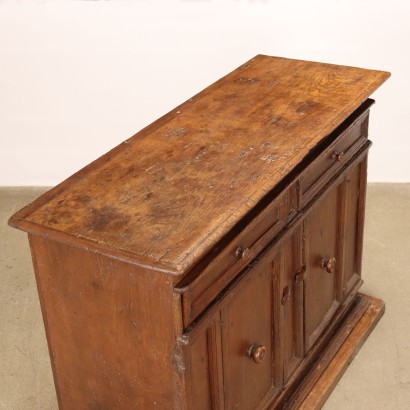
106	217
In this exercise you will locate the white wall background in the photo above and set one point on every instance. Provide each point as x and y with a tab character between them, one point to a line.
78	77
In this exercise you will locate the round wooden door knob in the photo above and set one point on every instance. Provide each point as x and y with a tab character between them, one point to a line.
328	264
257	353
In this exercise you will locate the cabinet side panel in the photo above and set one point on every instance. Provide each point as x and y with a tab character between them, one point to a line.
110	330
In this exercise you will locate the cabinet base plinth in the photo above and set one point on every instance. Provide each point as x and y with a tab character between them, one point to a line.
333	354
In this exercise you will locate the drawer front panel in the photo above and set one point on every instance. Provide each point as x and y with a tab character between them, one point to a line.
333	158
226	265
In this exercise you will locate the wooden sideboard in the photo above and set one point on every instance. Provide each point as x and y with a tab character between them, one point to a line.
213	260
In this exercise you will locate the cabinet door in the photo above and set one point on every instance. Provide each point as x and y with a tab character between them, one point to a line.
320	253
250	323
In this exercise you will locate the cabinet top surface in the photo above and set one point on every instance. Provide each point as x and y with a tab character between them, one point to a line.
166	195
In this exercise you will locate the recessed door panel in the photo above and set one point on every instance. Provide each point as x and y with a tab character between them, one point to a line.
320	235
248	340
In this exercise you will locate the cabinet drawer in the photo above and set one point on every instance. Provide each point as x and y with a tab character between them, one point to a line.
203	285
346	142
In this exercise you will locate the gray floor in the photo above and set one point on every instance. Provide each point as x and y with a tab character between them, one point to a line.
379	377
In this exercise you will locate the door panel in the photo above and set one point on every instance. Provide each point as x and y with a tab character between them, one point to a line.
249	353
320	234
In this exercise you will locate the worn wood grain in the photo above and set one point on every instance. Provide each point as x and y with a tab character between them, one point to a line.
166	195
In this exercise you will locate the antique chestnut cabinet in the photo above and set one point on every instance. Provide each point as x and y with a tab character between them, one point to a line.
213	260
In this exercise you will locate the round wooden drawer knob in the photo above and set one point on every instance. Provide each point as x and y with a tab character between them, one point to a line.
257	353
338	156
243	253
